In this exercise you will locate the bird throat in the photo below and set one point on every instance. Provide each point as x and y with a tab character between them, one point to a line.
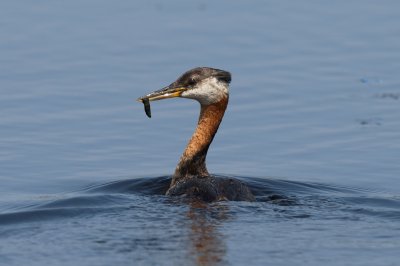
193	160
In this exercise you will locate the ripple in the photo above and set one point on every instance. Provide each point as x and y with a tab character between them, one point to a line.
290	199
46	214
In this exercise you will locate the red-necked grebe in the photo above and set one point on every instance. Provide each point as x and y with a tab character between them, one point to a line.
210	87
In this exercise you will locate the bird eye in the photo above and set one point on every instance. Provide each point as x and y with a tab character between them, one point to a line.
191	82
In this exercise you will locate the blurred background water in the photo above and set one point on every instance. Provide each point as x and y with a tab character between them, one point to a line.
314	106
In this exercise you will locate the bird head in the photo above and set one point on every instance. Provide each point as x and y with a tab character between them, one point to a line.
204	84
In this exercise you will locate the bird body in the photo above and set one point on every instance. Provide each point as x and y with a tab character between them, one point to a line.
210	87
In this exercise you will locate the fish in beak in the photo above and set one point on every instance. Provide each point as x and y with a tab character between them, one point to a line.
165	93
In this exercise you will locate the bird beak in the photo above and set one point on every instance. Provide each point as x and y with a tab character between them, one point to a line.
164	93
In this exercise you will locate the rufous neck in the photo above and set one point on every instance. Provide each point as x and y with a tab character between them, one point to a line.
193	159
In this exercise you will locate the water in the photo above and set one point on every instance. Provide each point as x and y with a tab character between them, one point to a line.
312	126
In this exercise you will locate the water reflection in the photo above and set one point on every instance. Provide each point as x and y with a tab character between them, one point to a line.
208	246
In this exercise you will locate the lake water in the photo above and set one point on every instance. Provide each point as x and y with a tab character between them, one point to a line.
313	126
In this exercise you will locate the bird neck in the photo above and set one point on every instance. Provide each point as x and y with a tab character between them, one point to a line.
193	160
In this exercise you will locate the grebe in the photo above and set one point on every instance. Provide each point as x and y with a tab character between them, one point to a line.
210	87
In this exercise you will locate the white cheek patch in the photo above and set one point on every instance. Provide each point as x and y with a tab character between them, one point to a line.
208	91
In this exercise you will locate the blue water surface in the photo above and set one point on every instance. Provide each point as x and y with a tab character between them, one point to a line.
312	126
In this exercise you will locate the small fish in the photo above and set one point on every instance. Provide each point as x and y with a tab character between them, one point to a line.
147	109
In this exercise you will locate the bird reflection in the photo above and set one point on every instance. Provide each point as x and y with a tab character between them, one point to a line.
207	245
